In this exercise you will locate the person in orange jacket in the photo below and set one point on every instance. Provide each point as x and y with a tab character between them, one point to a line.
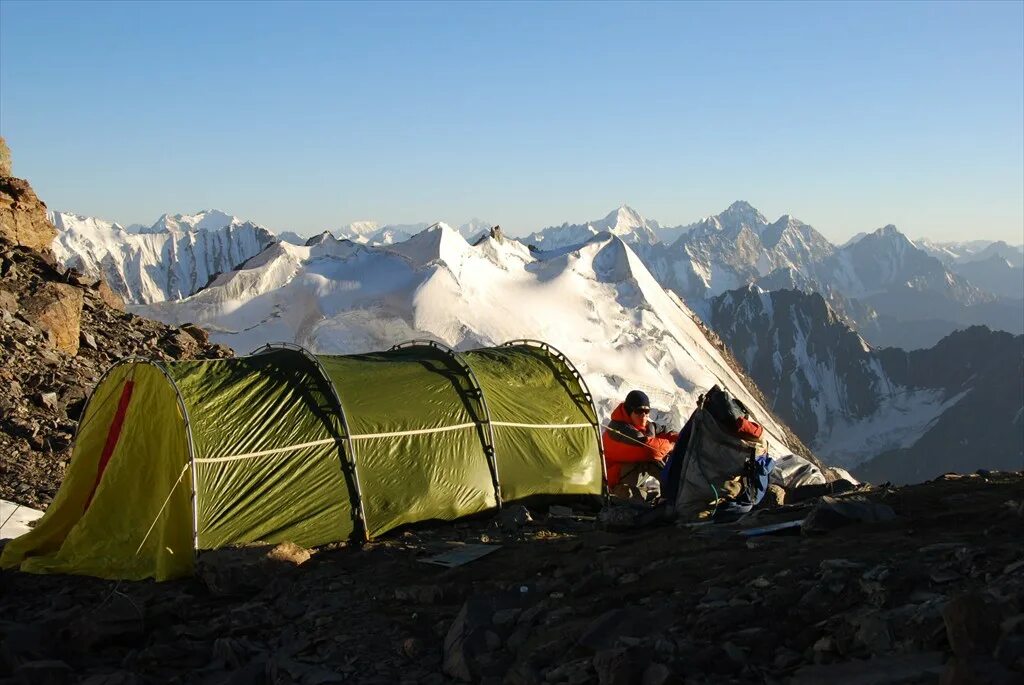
634	448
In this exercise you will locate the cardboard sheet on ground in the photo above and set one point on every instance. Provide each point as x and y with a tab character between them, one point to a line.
463	554
14	519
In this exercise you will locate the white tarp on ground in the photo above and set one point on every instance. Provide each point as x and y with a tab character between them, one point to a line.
15	519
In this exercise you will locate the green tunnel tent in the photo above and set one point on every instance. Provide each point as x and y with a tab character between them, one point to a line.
175	457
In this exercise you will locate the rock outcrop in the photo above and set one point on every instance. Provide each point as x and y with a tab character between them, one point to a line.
23	219
56	310
5	158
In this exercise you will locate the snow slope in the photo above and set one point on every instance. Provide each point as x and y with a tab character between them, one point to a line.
597	303
171	259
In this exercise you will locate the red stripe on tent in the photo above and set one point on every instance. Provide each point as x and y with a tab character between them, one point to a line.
112	436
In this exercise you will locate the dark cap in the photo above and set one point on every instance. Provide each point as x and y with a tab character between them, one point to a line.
637	399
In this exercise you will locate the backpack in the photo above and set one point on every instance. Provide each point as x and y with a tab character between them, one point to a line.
731	413
712	456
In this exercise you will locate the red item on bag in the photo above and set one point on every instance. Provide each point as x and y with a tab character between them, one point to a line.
748	429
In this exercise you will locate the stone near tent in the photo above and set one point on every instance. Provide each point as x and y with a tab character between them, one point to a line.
56	310
119	620
473	635
978	671
605	631
831	513
24	642
288	552
246	570
908	668
51	672
972	625
420	594
621	666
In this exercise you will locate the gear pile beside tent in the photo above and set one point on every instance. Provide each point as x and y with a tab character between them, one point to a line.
176	457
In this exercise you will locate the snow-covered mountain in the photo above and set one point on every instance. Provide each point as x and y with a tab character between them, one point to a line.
853	403
734	248
596	302
916	299
171	259
887	260
373	233
624	222
957	252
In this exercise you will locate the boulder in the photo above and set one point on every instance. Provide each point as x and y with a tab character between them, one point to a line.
473	635
201	336
50	672
972	625
831	513
23	215
56	309
621	666
109	297
606	630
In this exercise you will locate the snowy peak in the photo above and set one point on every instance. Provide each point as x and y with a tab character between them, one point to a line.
208	220
321	239
68	222
886	261
439	242
625	222
742	213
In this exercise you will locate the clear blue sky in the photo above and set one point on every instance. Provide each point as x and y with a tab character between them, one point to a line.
308	116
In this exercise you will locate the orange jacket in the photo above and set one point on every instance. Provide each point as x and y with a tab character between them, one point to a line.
625	442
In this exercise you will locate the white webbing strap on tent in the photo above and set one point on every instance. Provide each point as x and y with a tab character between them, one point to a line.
395	434
264	453
541	425
420	431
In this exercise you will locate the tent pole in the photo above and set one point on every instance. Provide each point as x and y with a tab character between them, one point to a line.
191	456
349	450
489	451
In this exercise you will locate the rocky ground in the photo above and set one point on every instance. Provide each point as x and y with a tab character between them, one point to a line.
934	594
58	334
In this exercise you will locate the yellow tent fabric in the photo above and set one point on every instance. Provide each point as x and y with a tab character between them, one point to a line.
139	522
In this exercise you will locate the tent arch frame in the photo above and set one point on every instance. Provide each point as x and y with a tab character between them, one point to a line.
478	391
349	452
560	356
